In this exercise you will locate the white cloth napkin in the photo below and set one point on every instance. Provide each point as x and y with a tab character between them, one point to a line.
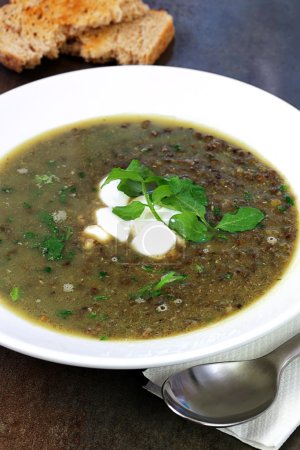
271	429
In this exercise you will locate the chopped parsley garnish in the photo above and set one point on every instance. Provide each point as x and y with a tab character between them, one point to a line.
176	147
199	268
283	188
81	174
52	244
52	247
248	196
188	199
64	313
147	268
26	205
228	276
282	209
29	235
47	219
100	298
15	293
65	192
289	200
47	269
47	178
102	274
103	338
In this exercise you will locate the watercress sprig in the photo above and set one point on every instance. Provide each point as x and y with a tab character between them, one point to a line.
187	199
134	181
155	289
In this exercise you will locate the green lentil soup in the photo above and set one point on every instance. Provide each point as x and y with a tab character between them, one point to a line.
54	275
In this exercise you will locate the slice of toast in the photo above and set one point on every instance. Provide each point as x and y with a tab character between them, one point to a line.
140	41
80	15
31	29
24	39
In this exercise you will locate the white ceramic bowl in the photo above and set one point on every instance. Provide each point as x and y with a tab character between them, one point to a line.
262	121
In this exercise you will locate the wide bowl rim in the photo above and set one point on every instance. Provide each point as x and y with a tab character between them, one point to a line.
50	345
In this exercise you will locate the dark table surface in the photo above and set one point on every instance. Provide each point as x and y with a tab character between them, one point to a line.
47	406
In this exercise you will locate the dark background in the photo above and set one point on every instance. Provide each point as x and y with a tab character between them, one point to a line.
46	406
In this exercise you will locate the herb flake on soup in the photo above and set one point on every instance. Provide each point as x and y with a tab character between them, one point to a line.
128	228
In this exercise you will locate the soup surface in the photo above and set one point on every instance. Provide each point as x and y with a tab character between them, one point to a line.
52	274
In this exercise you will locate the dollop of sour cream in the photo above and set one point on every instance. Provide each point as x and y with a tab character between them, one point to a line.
146	235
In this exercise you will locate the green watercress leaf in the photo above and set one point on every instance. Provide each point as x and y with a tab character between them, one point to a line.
244	219
156	179
154	289
190	227
122	174
131	178
181	195
169	277
161	192
129	212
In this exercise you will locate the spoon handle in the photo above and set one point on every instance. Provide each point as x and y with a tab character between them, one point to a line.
284	354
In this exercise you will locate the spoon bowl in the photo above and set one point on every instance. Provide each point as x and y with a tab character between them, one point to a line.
229	393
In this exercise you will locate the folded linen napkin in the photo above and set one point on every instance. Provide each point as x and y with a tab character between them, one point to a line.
271	429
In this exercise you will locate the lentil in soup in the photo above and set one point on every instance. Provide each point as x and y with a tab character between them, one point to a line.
54	275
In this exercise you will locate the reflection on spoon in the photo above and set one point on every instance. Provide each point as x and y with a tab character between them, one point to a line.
229	393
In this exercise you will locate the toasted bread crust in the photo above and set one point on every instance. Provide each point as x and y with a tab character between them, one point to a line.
78	15
24	39
141	41
31	29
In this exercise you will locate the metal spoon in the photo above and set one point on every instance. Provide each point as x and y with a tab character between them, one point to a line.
229	393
